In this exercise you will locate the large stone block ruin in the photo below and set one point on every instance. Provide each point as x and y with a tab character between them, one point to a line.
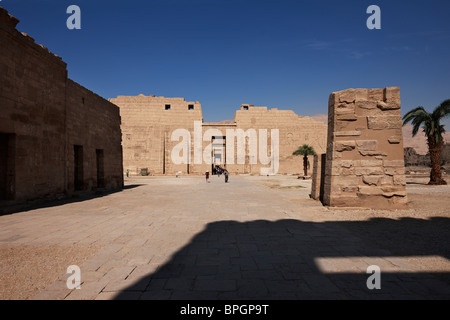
56	137
364	165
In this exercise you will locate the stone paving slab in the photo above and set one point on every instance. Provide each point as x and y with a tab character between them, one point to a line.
196	240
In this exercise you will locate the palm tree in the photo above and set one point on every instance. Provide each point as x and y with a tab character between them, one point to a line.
431	125
305	151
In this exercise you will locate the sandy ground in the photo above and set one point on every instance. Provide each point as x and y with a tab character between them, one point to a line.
25	270
424	201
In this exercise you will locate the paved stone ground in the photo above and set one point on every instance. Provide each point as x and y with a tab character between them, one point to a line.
252	238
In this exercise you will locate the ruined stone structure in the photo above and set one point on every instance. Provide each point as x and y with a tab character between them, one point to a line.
412	158
148	123
364	163
55	135
318	176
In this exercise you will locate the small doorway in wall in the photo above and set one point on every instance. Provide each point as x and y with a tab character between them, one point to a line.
7	166
218	153
100	168
78	166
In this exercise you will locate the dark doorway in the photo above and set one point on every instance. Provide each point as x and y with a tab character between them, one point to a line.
78	162
100	168
7	166
218	152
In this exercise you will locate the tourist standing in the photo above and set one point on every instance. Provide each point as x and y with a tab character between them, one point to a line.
207	176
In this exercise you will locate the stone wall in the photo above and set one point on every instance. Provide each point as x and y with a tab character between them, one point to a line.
93	123
147	127
365	165
42	116
412	158
294	131
318	176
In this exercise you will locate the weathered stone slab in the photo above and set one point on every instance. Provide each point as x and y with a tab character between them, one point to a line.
361	94
369	171
368	163
386	180
345	108
394	163
337	155
341	146
394	140
387	106
372	153
371	180
394	170
392	95
383	122
375	95
370	105
347	171
346	181
367	145
342	163
338	171
347	133
347	96
349	189
399	180
390	191
370	191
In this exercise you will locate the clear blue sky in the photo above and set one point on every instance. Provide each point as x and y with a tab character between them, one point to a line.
285	54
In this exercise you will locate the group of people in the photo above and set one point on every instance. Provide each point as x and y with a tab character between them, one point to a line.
218	170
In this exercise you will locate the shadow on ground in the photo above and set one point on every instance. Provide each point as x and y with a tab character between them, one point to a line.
279	260
6	209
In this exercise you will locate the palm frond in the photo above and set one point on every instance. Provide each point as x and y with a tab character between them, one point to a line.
415	129
416	113
304	150
442	111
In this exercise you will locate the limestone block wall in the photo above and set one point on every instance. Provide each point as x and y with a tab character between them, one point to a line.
233	168
149	121
94	124
364	165
38	125
32	99
147	126
294	131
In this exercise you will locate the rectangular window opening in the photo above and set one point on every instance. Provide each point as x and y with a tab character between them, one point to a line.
167	106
